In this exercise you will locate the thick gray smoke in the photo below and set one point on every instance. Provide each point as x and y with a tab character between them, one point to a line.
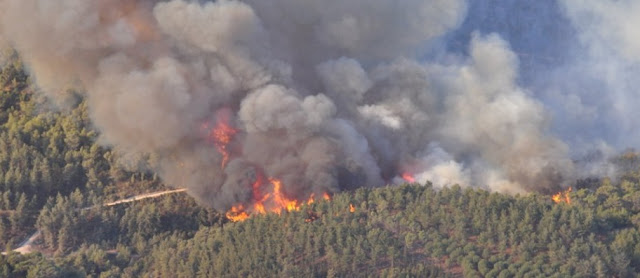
324	95
609	38
581	60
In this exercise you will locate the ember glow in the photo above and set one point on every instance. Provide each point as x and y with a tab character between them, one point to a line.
562	197
408	177
326	196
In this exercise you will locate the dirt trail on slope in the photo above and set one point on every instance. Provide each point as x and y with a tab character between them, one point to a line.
26	246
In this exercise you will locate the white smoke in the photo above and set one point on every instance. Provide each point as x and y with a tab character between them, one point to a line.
579	59
608	33
440	168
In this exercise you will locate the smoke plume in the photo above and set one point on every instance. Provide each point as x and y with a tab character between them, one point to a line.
330	95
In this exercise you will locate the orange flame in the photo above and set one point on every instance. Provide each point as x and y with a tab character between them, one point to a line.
222	134
562	197
274	201
352	209
326	196
408	177
237	213
310	201
281	201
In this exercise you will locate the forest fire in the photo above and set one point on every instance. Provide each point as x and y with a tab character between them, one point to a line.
222	134
274	201
408	177
237	214
281	201
267	192
562	197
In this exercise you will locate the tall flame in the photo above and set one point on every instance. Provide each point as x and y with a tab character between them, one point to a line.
326	196
268	194
273	201
222	134
562	197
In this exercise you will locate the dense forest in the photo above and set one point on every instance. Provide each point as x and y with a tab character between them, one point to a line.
54	177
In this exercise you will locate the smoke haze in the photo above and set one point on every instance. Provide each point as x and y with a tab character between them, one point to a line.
331	95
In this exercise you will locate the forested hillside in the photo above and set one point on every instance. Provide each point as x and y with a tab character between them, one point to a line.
418	231
53	173
47	154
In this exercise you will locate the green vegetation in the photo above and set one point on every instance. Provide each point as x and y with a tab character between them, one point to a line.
51	168
46	155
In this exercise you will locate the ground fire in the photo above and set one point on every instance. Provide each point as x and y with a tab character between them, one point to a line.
268	197
562	197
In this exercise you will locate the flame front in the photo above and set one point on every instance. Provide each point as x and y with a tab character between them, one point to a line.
267	193
562	197
237	214
273	201
281	201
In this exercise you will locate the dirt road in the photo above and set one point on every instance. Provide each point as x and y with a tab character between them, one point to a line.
26	246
